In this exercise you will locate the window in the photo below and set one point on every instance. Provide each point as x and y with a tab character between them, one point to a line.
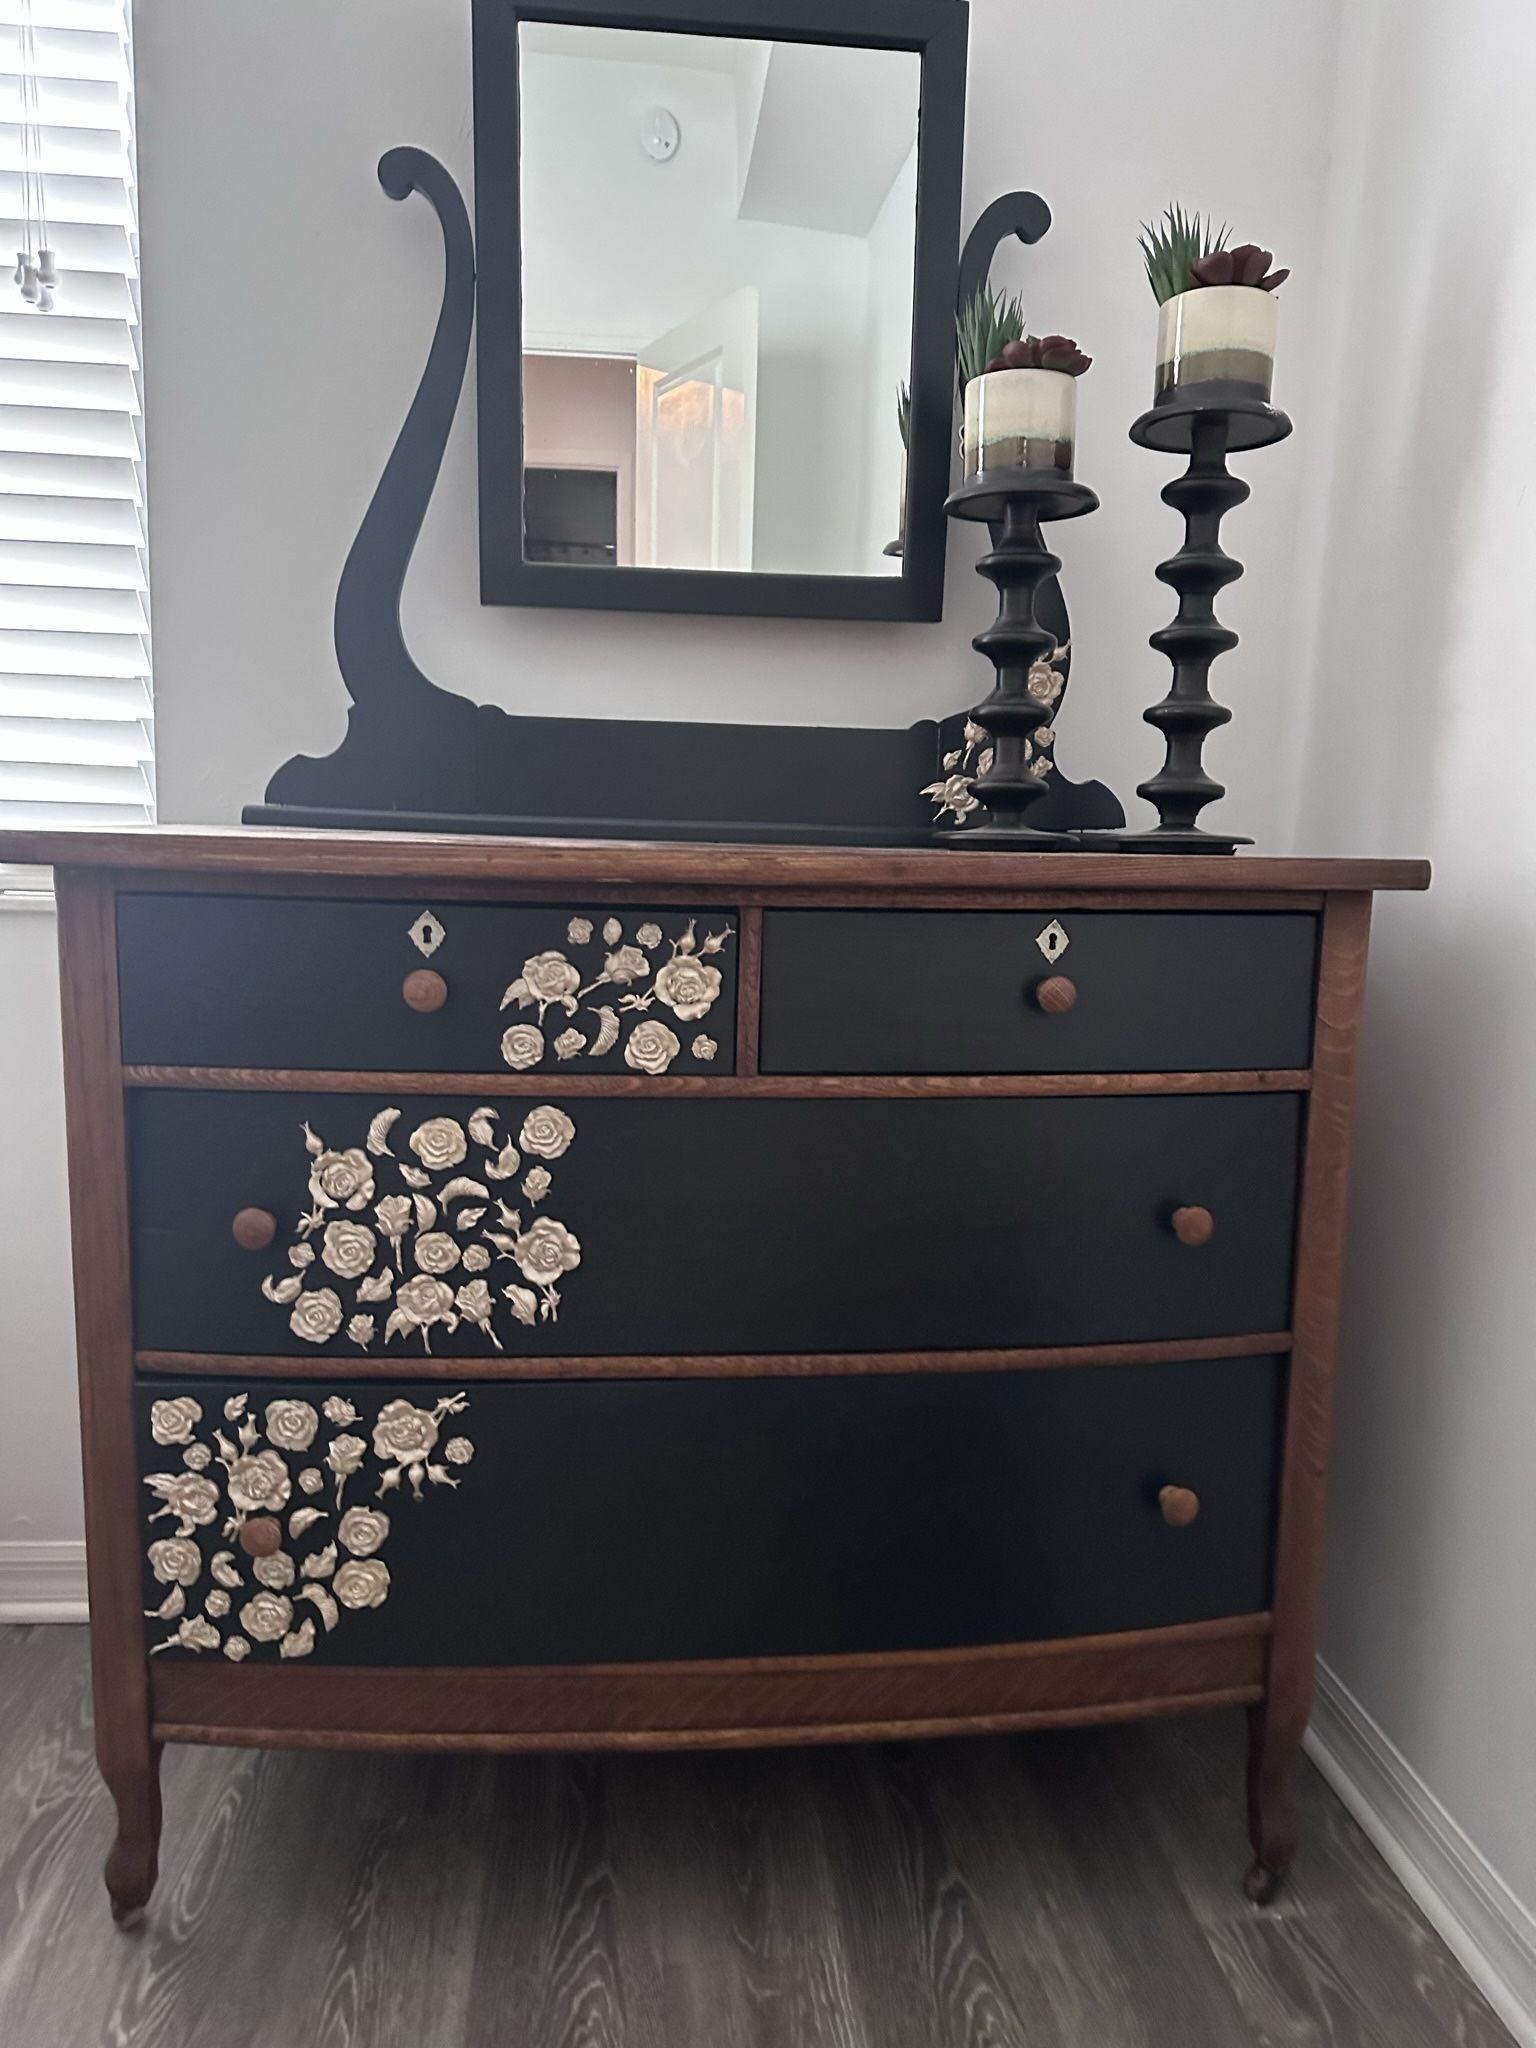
76	731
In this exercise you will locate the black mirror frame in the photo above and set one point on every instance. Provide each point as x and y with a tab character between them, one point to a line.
937	31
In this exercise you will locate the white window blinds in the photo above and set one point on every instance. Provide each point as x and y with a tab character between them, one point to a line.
76	733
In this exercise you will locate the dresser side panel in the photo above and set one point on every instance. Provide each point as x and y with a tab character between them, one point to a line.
98	1175
1322	1221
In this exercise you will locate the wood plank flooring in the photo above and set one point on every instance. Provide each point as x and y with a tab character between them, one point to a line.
1072	1890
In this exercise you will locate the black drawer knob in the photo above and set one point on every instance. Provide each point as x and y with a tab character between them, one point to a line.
424	990
1179	1505
254	1229
1193	1226
1055	995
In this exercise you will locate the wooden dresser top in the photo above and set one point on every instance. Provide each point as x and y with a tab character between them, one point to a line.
262	853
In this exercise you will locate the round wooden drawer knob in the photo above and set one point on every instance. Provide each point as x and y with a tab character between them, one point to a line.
1179	1506
424	990
1193	1226
254	1229
1055	995
262	1536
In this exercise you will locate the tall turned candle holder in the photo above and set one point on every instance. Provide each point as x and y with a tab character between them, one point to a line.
1204	494
1014	503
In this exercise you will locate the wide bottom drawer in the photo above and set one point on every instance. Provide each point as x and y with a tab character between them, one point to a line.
580	1522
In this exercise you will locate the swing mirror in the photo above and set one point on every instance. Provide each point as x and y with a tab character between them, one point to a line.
717	273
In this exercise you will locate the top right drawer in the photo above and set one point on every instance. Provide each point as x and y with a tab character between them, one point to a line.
964	991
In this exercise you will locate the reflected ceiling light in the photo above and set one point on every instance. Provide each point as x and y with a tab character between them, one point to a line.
660	135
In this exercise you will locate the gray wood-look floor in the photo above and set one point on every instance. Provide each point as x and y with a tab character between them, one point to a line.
1073	1890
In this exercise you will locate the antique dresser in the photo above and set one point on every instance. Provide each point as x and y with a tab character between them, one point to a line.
555	1294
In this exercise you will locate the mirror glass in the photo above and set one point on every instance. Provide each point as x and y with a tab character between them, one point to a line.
717	266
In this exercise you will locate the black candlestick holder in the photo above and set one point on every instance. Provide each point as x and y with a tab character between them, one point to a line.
1206	491
1014	503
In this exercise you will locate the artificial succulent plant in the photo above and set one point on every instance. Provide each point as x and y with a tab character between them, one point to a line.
983	328
1170	250
1184	252
1246	264
1042	352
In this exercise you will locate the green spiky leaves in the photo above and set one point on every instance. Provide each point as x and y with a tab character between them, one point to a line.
984	328
1174	246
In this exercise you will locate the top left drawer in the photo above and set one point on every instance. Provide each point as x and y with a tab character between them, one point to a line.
410	986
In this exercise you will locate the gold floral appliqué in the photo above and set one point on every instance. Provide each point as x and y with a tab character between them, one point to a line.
331	1559
416	1241
632	977
953	795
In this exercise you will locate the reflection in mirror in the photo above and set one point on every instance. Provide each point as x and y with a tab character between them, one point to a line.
717	250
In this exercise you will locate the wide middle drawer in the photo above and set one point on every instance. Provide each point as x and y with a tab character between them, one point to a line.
962	991
642	1226
414	987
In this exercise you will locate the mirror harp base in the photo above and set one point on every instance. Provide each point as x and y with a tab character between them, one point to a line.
418	757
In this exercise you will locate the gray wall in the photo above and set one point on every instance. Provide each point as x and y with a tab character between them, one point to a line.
288	306
1421	733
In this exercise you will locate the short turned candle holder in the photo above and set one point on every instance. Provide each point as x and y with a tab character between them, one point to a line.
1208	434
1014	502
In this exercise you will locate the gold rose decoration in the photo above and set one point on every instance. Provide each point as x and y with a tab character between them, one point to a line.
432	1253
953	794
686	986
281	1466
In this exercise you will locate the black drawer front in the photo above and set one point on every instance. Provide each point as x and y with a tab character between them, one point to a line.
951	992
253	981
678	1519
730	1225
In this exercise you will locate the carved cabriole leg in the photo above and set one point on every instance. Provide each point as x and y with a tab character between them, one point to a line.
134	1860
1273	1826
98	1182
1278	1723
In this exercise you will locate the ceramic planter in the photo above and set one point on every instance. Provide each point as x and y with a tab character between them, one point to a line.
1216	342
1020	419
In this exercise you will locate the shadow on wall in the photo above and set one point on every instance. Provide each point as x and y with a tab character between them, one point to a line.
1421	737
1414	470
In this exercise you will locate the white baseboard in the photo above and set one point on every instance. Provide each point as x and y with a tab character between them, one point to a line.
1489	1931
42	1582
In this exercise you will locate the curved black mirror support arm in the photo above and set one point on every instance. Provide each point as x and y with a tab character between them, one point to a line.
1024	214
370	646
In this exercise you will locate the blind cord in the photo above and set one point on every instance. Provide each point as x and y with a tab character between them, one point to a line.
37	270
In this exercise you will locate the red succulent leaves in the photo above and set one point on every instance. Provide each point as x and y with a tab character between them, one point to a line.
1042	352
1246	264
